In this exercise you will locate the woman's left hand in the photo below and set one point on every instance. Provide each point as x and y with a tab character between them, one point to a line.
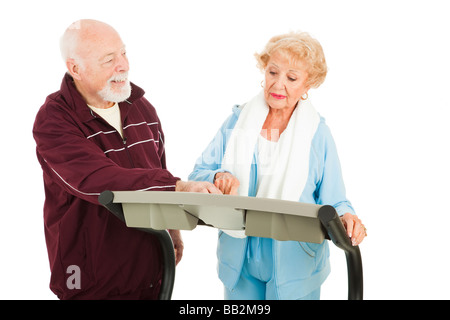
355	229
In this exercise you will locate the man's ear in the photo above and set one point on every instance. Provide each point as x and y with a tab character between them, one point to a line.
73	68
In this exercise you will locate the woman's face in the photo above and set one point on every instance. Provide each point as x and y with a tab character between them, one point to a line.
285	83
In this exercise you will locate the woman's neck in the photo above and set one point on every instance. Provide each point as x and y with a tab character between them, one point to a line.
276	122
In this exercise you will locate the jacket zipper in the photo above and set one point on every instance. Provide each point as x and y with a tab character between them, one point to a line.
124	140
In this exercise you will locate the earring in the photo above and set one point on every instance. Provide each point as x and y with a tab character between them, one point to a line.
262	84
303	96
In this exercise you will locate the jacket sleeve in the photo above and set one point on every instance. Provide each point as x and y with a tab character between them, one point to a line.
210	161
330	188
80	167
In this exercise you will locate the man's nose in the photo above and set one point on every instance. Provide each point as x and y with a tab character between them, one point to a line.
122	64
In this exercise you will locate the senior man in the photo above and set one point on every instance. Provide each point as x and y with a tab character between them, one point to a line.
98	133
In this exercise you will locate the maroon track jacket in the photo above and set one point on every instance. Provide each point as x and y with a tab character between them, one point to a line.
82	155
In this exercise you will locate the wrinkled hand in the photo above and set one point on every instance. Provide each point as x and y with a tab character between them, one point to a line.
196	186
178	244
354	227
227	183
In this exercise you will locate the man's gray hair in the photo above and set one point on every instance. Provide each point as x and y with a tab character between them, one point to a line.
69	43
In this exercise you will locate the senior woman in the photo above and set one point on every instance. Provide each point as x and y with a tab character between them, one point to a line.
277	146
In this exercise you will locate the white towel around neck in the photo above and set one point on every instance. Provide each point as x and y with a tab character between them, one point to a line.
289	166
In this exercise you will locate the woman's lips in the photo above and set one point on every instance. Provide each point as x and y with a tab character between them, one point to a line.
278	96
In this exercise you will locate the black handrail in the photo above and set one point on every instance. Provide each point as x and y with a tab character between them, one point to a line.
106	199
332	223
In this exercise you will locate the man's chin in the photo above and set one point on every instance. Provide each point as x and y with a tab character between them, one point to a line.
111	95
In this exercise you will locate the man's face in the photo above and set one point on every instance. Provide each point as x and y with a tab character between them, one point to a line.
104	71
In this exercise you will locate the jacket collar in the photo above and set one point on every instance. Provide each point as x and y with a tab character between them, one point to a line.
77	103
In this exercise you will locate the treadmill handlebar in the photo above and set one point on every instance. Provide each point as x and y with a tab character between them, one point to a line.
106	199
332	223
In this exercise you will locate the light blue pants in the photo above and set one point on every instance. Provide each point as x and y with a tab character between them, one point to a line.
257	277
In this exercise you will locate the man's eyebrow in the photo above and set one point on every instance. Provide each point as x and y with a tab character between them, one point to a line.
111	53
107	55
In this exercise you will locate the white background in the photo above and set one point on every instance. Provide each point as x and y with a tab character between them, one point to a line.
385	99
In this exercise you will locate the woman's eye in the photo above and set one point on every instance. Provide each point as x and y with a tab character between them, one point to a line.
292	79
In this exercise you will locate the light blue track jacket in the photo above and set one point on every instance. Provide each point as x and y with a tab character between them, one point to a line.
299	267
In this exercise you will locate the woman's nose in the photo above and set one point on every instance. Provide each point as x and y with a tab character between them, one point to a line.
279	83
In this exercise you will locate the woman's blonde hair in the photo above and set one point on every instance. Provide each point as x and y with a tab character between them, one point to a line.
298	47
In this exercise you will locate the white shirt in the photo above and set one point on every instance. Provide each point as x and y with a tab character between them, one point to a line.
266	151
111	115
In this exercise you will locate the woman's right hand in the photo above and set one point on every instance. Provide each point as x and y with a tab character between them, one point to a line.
227	183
